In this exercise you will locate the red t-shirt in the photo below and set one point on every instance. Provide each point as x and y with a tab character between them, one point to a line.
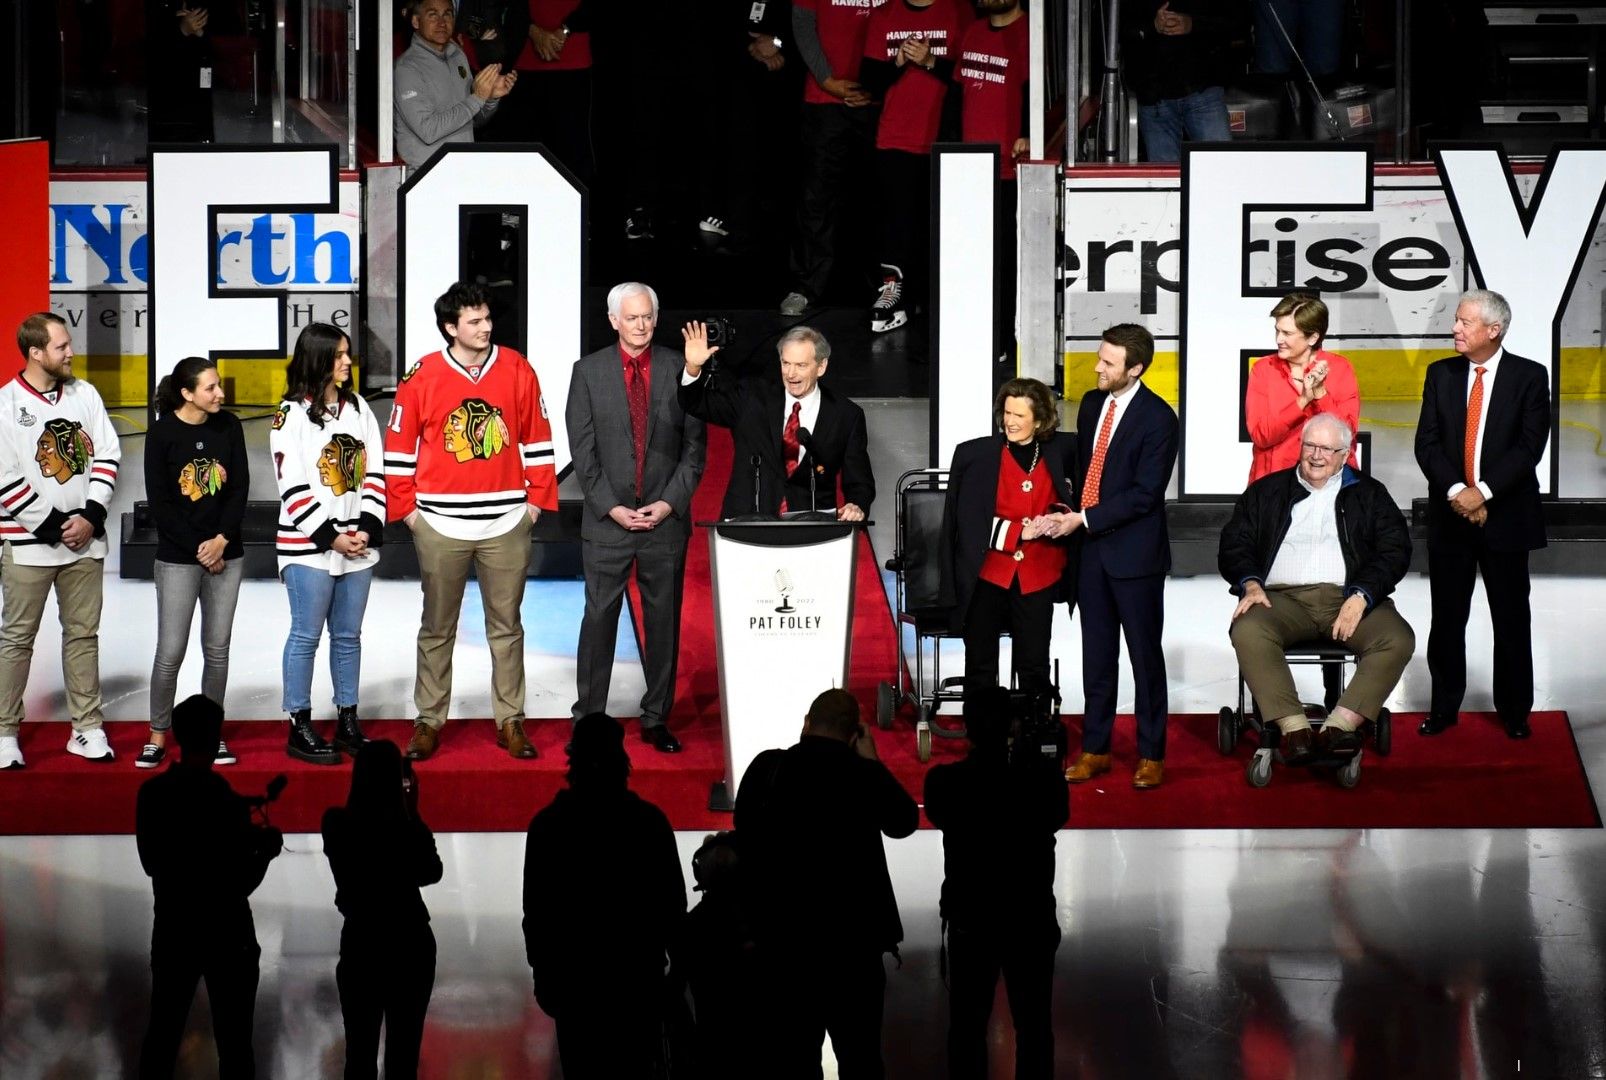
992	73
913	107
841	25
549	15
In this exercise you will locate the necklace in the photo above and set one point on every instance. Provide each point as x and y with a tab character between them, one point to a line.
1037	450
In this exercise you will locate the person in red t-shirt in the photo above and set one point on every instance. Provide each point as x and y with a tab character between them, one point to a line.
992	72
837	128
908	62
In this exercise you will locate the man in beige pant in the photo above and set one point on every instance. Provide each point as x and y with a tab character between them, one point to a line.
1313	553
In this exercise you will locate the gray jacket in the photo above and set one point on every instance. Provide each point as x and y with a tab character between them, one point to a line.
435	102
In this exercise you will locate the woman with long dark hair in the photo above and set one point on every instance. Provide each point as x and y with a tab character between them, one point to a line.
382	854
197	477
328	456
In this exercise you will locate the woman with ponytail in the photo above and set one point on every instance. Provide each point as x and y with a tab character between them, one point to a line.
197	477
328	459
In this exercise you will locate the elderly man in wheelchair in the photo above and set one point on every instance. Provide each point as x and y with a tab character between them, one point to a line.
1313	554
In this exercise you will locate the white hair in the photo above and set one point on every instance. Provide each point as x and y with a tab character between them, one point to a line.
1491	305
617	295
1329	420
822	347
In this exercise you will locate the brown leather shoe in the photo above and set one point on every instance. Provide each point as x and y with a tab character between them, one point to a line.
511	737
423	742
1087	767
1299	747
1149	774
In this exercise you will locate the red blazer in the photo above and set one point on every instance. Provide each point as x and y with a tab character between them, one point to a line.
1274	418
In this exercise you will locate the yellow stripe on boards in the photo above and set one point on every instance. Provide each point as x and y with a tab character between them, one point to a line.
121	383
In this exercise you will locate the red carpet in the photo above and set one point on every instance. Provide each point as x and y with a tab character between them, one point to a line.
1472	777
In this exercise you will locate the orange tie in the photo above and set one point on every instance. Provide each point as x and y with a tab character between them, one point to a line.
1095	467
1474	413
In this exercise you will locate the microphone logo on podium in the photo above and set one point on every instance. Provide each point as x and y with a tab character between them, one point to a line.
783	585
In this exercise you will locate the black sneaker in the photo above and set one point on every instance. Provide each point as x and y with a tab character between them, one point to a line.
150	756
225	756
887	313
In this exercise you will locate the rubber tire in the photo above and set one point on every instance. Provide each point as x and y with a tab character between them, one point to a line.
886	705
1227	731
1258	771
1383	733
923	744
1350	774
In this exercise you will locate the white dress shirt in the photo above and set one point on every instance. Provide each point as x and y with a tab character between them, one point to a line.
1310	553
1489	368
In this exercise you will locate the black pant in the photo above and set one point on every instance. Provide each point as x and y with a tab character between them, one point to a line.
975	960
384	976
181	957
661	576
1029	619
1452	570
826	991
836	142
903	217
748	123
611	1038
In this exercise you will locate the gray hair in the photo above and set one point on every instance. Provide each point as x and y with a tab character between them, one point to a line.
822	347
1329	420
618	294
1491	305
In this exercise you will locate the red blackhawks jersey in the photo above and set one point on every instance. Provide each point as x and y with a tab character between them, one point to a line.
469	447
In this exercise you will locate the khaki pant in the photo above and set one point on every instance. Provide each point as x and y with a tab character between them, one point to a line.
1383	643
500	564
78	598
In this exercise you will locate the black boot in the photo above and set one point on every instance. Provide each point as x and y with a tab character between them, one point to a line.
306	744
348	736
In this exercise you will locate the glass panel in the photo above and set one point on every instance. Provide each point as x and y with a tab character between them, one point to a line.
318	74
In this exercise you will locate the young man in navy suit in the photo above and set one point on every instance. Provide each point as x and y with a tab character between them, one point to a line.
1484	425
1127	447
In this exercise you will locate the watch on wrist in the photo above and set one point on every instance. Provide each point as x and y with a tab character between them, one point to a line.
777	42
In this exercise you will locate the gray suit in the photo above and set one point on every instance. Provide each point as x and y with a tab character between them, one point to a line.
600	441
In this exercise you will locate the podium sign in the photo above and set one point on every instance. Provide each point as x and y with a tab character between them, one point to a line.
783	622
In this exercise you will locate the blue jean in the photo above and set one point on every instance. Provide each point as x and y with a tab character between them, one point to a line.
1317	27
1197	117
316	598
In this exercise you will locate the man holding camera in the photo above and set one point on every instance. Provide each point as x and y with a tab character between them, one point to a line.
638	457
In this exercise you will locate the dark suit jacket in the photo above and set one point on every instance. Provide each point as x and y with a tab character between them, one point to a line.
600	441
1514	437
1131	539
754	412
967	515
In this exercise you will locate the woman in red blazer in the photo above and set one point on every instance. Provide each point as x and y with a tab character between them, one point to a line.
1295	383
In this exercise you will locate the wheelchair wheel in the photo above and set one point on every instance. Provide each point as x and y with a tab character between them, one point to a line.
923	742
1383	732
1350	774
886	705
1258	771
1227	730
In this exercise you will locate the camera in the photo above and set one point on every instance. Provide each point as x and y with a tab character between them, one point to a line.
721	331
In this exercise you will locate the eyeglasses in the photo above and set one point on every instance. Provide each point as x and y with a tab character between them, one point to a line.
1322	451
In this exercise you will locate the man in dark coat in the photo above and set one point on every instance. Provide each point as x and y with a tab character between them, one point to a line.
603	896
810	820
1314	552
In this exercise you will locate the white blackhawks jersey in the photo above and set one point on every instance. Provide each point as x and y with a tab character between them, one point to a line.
331	480
58	457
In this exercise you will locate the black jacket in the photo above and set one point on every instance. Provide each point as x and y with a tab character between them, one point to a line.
810	819
1371	530
754	413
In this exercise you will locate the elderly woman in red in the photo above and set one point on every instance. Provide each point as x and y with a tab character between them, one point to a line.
1292	385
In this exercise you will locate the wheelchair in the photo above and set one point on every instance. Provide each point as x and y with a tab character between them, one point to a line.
1232	723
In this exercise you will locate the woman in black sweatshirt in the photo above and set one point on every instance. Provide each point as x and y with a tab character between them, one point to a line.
196	478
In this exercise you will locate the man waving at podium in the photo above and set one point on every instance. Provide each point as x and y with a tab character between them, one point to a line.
784	434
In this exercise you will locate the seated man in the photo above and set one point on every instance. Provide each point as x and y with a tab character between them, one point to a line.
1314	552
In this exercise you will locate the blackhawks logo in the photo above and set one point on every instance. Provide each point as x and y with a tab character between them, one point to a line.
64	450
281	415
475	429
343	463
200	478
412	371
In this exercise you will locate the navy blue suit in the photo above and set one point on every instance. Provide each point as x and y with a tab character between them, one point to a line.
1125	557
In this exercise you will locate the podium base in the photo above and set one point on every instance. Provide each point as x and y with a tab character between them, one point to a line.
719	798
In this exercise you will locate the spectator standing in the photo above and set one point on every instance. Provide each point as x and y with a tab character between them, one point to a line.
1174	66
438	99
1297	382
717	955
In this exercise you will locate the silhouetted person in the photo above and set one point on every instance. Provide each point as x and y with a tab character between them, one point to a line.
603	897
810	819
204	857
717	956
998	822
381	854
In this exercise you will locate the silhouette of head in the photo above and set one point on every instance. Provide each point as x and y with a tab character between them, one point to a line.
987	716
597	753
715	863
834	715
198	725
376	781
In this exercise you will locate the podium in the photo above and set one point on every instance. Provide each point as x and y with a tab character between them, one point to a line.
783	628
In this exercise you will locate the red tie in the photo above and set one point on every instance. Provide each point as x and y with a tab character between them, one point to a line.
637	390
789	439
1095	467
1469	448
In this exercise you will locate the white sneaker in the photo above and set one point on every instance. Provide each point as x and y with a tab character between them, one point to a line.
10	753
225	756
713	225
90	745
794	305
